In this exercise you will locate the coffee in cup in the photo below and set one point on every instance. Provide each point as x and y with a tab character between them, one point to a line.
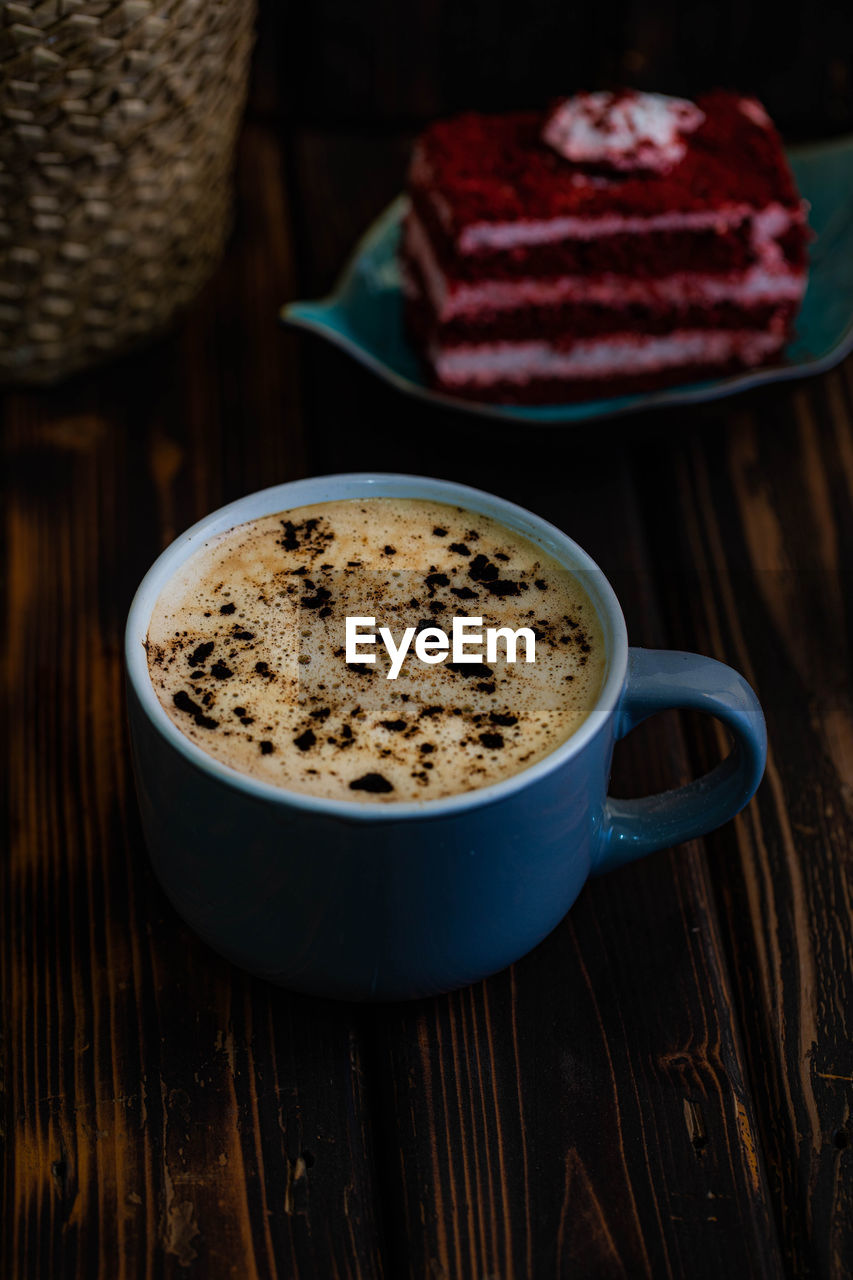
248	650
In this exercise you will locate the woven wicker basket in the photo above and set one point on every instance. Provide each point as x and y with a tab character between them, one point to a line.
117	131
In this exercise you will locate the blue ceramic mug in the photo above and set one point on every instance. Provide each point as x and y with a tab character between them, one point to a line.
375	901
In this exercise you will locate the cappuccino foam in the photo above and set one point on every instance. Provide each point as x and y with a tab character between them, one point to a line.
246	650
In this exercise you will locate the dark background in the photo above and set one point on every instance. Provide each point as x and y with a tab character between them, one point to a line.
405	61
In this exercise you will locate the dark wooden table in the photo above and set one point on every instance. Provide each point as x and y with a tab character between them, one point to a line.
664	1086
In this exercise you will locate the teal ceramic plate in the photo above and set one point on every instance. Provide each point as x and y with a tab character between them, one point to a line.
364	316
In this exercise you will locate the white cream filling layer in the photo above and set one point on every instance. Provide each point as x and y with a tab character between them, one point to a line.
768	280
515	235
618	355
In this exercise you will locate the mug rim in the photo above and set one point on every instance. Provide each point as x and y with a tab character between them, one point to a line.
330	488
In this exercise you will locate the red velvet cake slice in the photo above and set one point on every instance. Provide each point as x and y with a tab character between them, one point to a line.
619	242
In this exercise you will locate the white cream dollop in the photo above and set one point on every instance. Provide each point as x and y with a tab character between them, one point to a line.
623	131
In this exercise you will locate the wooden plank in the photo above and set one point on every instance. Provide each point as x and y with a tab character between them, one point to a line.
765	499
167	1115
340	183
588	1111
594	1107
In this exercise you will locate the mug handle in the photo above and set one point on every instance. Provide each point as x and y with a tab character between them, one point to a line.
658	680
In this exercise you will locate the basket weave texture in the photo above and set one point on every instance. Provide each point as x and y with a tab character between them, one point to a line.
117	131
